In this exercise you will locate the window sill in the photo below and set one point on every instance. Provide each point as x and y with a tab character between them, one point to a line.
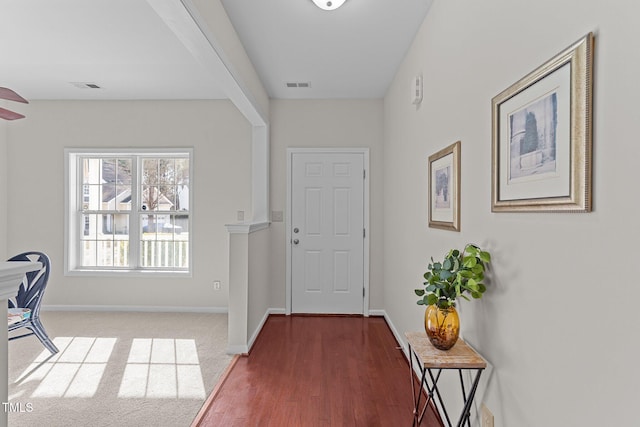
129	273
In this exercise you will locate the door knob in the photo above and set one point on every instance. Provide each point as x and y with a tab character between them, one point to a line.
296	241
295	230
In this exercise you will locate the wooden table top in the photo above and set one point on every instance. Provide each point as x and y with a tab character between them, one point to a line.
460	356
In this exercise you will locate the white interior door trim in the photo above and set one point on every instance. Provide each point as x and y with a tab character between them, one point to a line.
361	150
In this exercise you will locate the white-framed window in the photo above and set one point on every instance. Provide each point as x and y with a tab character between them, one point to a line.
128	211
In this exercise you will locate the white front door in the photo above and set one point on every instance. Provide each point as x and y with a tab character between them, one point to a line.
327	232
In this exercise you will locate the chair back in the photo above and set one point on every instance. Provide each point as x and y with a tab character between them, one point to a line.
31	290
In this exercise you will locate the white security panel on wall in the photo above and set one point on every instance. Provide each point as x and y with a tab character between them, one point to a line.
416	89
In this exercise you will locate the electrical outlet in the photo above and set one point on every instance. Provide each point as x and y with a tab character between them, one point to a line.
240	216
487	417
216	285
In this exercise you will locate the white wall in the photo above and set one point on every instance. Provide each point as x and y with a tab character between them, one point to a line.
258	281
325	123
559	322
221	139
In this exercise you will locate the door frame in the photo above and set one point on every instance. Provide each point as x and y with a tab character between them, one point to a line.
365	274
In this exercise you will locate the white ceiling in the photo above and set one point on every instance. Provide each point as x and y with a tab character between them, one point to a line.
350	52
127	49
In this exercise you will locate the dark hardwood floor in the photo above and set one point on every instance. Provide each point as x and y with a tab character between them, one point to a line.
317	371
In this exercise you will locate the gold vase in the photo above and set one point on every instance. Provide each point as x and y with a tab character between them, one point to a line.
442	326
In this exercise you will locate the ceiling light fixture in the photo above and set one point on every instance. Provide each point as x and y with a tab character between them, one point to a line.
329	4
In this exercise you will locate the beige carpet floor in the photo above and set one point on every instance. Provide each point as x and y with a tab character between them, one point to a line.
117	369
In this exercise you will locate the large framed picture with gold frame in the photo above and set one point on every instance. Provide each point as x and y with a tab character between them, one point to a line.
444	188
542	136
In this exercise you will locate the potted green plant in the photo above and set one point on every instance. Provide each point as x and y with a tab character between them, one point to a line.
460	274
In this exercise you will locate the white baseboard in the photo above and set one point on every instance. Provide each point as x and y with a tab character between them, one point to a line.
136	308
377	313
396	334
237	349
261	324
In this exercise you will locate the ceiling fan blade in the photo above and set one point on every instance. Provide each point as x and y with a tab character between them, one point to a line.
10	115
6	93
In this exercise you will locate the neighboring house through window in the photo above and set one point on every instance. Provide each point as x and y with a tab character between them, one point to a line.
128	211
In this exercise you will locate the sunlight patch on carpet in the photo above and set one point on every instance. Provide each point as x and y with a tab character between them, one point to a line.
162	368
75	371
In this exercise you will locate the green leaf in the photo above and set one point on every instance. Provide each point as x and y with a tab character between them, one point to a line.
420	302
447	264
431	299
431	288
469	261
476	295
437	266
485	256
445	275
472	284
455	253
481	288
478	268
419	292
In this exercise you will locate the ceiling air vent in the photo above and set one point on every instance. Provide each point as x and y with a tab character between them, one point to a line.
85	85
298	84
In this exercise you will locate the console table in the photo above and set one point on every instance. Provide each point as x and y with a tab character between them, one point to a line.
431	362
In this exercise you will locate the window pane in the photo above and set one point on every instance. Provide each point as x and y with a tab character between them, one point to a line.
121	253
149	171
182	198
89	231
153	199
182	171
165	184
91	171
106	184
165	241
104	253
166	171
163	253
180	225
108	197
121	229
124	172
108	170
112	253
123	198
89	253
105	240
90	197
149	224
